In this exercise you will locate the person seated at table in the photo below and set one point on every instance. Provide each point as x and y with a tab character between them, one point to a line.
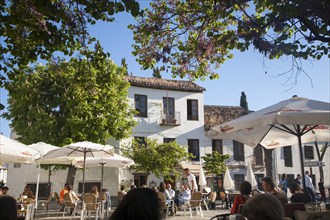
185	195
298	195
73	196
28	192
245	189
268	186
63	191
94	190
5	190
162	189
171	192
8	208
138	204
263	206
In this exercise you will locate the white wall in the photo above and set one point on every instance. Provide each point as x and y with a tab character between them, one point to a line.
18	177
150	126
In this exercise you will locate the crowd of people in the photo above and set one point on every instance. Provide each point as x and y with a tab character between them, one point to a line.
143	203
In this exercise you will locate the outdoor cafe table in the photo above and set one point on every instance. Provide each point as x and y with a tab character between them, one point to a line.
24	208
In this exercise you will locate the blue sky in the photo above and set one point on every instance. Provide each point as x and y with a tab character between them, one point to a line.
248	72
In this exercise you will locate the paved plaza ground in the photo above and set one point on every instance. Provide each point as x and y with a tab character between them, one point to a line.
179	216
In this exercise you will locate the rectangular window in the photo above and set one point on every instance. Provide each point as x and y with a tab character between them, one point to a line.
238	151
287	152
193	148
309	152
217	145
88	186
141	105
139	179
192	109
168	140
44	189
140	140
169	112
258	155
17	165
259	178
238	180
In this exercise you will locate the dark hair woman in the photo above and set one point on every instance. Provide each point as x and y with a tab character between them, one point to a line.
138	204
245	190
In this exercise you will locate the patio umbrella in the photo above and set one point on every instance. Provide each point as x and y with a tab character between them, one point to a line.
79	150
114	160
16	152
201	181
228	182
42	148
293	121
251	178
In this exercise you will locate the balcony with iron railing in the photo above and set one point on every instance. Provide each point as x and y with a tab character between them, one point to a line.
170	119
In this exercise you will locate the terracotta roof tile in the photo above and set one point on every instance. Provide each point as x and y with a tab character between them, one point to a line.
215	114
178	85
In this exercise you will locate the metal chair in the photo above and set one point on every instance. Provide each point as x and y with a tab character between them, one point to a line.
45	203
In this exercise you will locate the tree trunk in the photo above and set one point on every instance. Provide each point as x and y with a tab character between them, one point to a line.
320	156
269	161
71	175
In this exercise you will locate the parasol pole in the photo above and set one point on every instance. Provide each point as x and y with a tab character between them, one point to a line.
102	169
83	186
301	159
37	188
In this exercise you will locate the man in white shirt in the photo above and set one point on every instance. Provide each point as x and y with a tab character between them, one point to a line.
309	182
171	192
191	180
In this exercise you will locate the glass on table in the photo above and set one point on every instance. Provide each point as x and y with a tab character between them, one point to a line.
310	207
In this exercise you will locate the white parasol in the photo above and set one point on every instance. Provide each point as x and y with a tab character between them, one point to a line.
251	178
201	181
79	150
290	122
114	160
228	182
16	152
